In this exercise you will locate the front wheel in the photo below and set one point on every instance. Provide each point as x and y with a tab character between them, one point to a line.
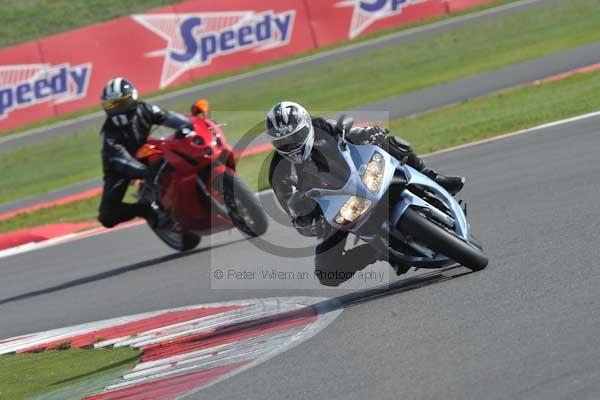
442	241
243	206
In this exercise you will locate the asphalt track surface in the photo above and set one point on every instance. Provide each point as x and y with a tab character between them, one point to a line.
525	328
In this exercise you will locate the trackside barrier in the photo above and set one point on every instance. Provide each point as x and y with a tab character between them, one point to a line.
172	45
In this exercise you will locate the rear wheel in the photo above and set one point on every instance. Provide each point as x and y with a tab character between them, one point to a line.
442	241
243	206
170	234
180	241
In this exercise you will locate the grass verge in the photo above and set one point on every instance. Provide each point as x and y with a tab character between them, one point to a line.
85	210
25	375
502	112
472	120
49	165
337	85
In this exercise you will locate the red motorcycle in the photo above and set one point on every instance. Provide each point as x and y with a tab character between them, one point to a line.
196	186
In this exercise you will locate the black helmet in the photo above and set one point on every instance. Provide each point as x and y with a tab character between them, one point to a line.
291	131
119	100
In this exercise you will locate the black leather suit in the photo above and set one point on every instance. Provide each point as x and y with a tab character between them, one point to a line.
285	177
120	141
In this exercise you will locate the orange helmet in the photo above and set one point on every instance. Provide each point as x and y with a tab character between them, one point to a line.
200	107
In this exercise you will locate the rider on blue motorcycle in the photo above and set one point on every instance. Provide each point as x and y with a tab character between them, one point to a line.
305	154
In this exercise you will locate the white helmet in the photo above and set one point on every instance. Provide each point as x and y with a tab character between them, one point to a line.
291	131
119	100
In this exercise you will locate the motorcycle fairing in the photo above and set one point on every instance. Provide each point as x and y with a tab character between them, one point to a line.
357	157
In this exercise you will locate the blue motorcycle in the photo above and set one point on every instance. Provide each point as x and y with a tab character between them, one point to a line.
404	215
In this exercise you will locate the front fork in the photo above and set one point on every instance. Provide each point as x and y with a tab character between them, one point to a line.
210	187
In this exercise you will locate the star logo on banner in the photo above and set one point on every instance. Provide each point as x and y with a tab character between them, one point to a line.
368	12
184	35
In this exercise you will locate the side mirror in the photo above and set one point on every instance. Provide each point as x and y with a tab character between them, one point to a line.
344	124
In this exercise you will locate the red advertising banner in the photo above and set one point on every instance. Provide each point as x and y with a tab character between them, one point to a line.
102	52
354	18
28	86
190	40
162	48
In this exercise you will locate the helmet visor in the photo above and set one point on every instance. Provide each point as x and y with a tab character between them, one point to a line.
118	106
293	142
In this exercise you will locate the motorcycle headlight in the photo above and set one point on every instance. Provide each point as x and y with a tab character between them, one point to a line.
353	208
373	174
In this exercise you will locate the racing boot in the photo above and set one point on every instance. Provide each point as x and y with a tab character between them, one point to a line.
453	184
402	150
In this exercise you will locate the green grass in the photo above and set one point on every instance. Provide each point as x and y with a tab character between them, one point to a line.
472	120
85	210
24	20
502	112
49	165
25	375
337	85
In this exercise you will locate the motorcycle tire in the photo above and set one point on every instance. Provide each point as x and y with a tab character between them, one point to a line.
442	241
245	210
178	241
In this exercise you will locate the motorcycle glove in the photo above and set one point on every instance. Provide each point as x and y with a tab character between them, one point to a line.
370	135
310	226
299	204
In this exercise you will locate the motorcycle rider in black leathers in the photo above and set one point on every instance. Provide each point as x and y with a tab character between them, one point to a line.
305	158
125	130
